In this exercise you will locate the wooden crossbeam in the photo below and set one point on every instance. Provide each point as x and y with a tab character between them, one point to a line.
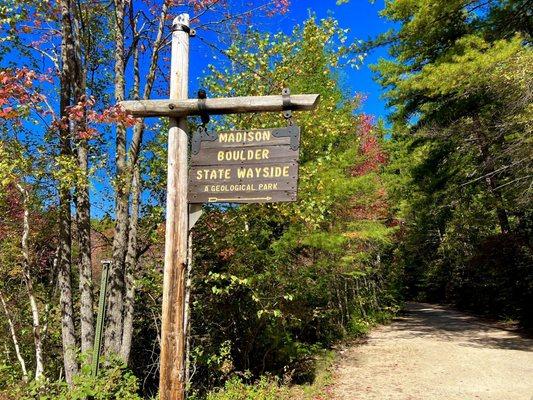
218	106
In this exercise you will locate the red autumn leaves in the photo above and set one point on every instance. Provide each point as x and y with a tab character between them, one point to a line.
373	154
83	115
18	93
19	96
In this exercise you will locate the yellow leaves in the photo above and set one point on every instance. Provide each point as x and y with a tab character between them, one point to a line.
225	283
67	172
353	235
13	166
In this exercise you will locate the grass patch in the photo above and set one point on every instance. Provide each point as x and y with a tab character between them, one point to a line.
359	326
323	379
268	388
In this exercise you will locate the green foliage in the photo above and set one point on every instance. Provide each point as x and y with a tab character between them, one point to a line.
460	170
235	389
272	388
113	383
272	285
360	325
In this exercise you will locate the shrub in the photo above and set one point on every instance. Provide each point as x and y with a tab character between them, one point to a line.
114	382
236	389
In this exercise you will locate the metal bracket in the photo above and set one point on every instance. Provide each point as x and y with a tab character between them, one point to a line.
204	115
292	132
201	135
286	94
195	212
287	112
184	28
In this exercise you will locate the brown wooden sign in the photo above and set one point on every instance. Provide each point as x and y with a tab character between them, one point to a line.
256	166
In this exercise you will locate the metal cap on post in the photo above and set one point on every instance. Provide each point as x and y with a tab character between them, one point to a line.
172	363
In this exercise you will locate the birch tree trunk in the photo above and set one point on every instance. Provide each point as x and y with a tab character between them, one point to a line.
14	339
36	326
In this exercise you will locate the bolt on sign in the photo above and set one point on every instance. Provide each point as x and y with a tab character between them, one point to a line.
254	166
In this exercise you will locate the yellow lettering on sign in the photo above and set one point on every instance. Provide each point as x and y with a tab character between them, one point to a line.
212	174
268	186
263	172
246	136
240	187
243	155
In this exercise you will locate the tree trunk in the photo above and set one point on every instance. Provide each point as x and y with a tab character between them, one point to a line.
131	254
83	218
187	318
114	327
65	289
83	205
122	293
14	338
488	164
131	266
39	367
501	212
65	244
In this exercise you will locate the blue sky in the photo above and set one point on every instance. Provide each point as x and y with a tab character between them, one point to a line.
360	16
364	22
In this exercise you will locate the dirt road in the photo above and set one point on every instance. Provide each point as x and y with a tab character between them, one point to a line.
434	353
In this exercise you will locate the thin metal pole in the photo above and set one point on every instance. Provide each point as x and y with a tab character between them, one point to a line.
172	363
100	318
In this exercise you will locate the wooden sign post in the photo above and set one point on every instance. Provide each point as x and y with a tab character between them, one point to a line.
172	362
250	167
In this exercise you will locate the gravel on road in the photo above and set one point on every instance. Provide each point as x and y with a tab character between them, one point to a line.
433	353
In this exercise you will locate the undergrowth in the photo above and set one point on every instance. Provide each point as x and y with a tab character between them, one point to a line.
273	388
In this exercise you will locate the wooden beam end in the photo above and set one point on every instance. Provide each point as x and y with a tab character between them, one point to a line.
316	101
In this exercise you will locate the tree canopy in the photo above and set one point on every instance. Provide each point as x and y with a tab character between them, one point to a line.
459	84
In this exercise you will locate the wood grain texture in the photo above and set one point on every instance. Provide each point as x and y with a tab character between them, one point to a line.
226	105
172	361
